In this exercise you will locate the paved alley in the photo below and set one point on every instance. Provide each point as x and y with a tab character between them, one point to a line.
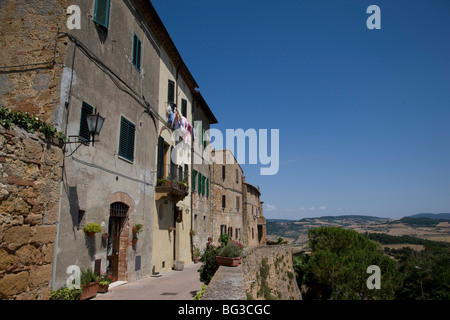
171	285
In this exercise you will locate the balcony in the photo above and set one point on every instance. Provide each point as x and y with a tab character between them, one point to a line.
174	187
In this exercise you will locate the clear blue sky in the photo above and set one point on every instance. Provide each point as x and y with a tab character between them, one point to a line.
364	115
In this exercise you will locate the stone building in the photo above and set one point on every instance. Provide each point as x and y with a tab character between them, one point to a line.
254	221
227	210
121	64
201	174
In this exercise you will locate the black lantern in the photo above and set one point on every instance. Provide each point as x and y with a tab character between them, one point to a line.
95	123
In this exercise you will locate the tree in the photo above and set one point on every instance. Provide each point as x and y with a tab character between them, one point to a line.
338	265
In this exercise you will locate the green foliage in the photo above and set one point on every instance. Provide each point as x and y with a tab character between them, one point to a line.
223	239
426	273
232	249
65	294
87	276
421	222
28	122
93	227
200	293
209	266
337	268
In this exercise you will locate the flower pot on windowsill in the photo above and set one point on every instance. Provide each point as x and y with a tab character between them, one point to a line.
228	261
134	241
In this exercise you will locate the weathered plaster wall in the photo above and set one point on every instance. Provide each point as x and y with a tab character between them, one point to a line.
30	174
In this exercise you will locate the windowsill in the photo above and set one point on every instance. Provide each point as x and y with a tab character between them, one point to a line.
126	160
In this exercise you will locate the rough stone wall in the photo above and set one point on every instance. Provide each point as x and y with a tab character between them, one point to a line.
269	273
31	72
266	273
30	172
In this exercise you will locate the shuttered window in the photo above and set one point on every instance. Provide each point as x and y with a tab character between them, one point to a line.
194	175
171	91
126	141
84	131
199	183
207	188
101	13
160	169
203	185
137	47
184	108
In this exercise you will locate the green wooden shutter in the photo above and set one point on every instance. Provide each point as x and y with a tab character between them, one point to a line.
194	175
126	141
101	13
84	131
137	46
203	185
207	188
199	183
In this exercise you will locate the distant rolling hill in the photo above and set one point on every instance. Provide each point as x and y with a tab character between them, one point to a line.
444	216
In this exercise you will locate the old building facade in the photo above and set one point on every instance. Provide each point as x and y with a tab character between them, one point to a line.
122	65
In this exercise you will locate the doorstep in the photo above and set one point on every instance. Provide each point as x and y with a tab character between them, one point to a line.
116	284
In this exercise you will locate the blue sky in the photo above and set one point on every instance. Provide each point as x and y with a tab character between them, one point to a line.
363	115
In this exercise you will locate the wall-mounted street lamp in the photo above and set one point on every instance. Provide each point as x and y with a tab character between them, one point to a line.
94	123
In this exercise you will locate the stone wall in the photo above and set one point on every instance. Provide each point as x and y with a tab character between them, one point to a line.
30	172
266	273
32	56
269	273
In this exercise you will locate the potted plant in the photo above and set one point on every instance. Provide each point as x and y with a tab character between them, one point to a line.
136	229
230	254
196	253
171	229
89	284
104	281
92	228
192	233
105	236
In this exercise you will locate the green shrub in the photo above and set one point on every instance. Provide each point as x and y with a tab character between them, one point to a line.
209	266
93	227
65	294
87	276
232	249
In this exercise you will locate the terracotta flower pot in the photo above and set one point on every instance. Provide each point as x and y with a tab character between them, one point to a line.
89	291
90	234
228	261
103	289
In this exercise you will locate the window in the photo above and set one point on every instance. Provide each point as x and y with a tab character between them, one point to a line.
203	185
126	141
223	201
237	176
160	168
207	188
223	172
199	183
194	175
101	13
223	229
237	203
84	131
137	47
171	92
184	108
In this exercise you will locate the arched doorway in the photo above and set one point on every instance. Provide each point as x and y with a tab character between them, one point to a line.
116	248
